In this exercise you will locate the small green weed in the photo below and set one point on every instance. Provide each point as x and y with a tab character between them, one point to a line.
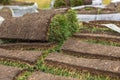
24	75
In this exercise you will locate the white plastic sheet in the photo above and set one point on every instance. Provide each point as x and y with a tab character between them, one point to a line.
88	17
1	20
21	12
18	11
115	1
83	6
96	2
52	3
113	27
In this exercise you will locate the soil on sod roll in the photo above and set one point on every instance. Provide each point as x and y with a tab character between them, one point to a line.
78	48
45	76
6	13
32	27
8	73
28	57
96	66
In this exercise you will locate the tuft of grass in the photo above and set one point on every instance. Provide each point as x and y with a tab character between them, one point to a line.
63	26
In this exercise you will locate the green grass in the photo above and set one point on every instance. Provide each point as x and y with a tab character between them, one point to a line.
24	75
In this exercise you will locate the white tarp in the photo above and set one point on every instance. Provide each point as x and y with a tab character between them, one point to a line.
115	1
99	2
52	3
18	11
83	6
113	27
96	2
1	20
21	12
88	17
